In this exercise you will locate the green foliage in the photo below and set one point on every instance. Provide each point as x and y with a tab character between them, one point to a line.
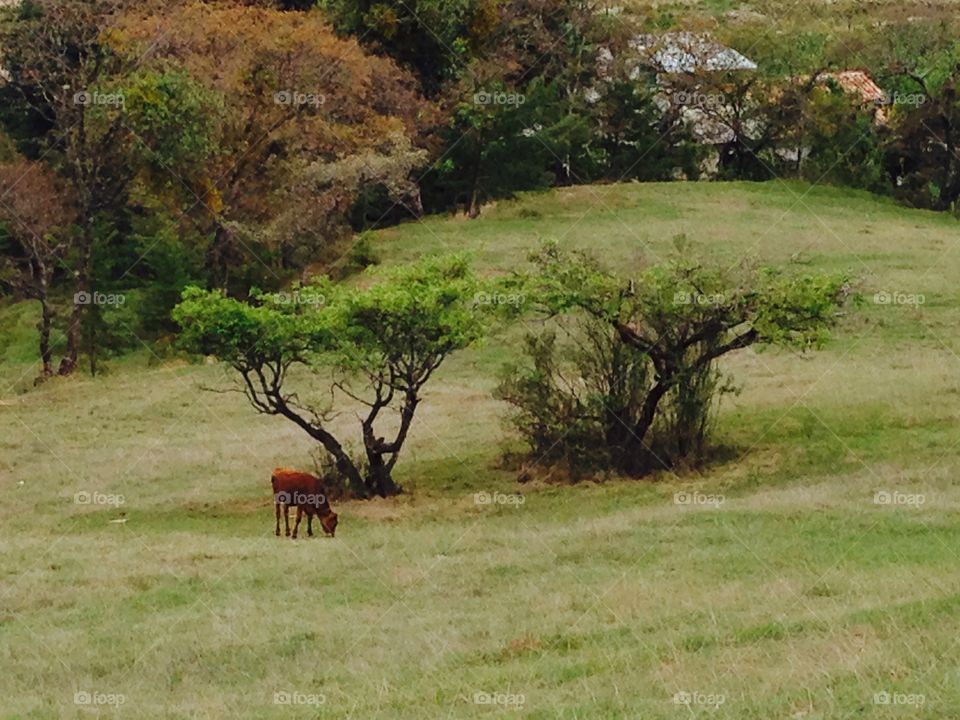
8	149
912	49
425	309
807	52
501	140
359	257
400	28
574	399
363	255
845	142
171	262
247	335
419	311
576	402
923	149
639	141
561	285
525	94
109	332
174	119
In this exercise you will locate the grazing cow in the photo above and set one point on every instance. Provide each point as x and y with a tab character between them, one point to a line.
306	492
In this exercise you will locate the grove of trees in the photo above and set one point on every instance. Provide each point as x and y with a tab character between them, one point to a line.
241	144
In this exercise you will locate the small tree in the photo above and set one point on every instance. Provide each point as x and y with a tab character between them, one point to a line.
638	139
639	392
381	345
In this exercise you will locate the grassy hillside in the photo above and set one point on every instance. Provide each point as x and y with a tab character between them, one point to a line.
798	596
818	15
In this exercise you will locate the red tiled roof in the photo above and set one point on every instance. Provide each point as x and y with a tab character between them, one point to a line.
859	82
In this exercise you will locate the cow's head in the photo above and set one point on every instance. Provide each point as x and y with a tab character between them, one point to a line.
329	523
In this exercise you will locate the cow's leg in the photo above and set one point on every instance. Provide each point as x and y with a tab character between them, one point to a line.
296	525
286	518
276	506
309	524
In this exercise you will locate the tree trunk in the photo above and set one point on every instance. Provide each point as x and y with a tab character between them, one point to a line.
81	298
68	363
92	340
345	466
46	321
416	200
618	437
639	454
473	211
379	478
219	257
46	354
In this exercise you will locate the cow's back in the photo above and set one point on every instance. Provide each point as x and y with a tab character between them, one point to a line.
289	480
293	483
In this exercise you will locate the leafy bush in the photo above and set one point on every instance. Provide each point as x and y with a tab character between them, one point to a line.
575	403
636	386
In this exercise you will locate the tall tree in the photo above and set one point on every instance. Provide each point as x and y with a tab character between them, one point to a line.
298	103
57	95
36	212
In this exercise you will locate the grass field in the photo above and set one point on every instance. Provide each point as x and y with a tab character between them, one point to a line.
799	593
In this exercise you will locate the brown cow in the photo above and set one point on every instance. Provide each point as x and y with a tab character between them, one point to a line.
306	492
